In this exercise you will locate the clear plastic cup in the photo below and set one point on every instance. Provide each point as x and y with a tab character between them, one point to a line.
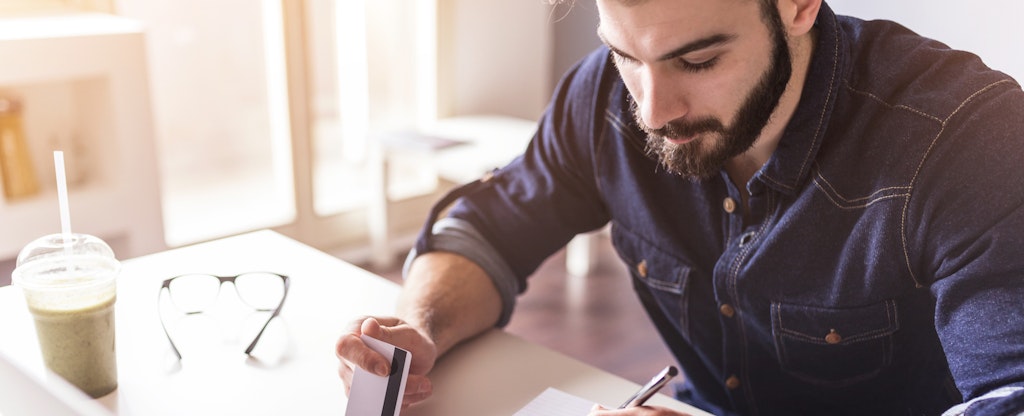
70	290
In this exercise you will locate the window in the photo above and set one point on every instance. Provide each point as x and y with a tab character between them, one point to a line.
253	134
219	92
269	113
352	107
51	6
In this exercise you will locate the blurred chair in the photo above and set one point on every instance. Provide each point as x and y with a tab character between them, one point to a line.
459	149
464	148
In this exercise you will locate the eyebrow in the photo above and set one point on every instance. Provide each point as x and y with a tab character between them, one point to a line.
696	45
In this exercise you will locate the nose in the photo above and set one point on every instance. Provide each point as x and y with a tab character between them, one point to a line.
660	100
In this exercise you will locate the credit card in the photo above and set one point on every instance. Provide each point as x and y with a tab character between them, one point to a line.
373	395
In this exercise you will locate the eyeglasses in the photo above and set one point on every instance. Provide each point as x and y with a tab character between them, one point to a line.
193	293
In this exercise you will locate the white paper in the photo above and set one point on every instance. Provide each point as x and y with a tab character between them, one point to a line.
369	393
554	402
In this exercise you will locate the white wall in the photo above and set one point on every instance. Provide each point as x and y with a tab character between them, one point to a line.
575	35
494	57
989	28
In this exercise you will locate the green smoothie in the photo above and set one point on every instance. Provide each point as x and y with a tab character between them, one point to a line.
78	344
70	284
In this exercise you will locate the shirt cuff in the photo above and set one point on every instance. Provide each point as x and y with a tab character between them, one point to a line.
460	237
995	402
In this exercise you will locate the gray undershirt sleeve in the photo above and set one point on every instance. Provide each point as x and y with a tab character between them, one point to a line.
460	237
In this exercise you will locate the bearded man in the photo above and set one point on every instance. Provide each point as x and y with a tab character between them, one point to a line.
821	215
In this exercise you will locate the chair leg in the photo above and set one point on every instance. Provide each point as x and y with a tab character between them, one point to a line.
579	254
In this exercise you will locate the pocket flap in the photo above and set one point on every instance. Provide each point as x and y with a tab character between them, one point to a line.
835	325
651	265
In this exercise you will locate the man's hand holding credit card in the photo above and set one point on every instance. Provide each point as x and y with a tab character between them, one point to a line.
375	395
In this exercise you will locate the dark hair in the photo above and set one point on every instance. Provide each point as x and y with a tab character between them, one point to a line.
766	6
770	12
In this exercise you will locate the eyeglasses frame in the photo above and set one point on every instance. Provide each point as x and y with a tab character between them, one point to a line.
224	279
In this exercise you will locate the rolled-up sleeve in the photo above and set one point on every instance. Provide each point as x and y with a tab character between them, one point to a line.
537	203
457	236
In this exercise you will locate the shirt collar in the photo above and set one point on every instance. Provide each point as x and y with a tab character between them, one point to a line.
791	162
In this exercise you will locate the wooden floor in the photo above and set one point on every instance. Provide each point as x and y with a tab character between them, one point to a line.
596	319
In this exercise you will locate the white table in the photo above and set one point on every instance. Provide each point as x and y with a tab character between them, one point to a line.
293	369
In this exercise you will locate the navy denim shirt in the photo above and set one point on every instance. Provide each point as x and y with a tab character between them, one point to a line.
882	267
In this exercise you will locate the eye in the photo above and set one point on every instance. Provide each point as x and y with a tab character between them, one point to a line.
703	65
621	59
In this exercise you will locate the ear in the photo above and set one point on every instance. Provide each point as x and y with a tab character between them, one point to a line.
798	16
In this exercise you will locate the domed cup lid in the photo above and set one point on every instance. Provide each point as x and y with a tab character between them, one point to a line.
84	263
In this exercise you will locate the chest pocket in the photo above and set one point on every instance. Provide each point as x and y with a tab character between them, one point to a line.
834	347
665	277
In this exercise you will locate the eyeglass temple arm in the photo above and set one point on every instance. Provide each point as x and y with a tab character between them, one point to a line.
277	310
164	326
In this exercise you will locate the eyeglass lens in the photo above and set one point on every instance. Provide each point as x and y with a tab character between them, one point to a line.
197	292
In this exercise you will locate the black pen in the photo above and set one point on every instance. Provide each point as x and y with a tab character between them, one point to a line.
651	388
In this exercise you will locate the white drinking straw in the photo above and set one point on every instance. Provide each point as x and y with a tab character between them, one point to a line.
62	198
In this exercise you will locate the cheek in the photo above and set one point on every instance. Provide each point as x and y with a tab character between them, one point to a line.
723	92
717	94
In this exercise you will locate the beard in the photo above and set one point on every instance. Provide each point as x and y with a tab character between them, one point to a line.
715	143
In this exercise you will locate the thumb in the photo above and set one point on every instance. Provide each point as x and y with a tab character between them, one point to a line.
373	328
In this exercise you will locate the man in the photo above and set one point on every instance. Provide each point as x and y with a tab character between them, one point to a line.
821	215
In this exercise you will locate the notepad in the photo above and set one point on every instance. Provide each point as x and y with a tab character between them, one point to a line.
554	402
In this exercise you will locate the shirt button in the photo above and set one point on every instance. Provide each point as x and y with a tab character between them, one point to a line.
727	310
732	382
729	205
833	337
641	268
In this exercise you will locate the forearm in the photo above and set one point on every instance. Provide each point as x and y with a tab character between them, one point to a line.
448	297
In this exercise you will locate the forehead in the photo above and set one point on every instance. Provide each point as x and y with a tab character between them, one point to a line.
636	23
664	7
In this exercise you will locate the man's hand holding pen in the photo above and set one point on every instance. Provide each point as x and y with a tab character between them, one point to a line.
635	411
635	404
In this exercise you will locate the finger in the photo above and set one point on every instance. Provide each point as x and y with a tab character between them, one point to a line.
599	410
354	326
345	372
384	331
417	389
390	330
354	351
371	327
402	335
344	365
